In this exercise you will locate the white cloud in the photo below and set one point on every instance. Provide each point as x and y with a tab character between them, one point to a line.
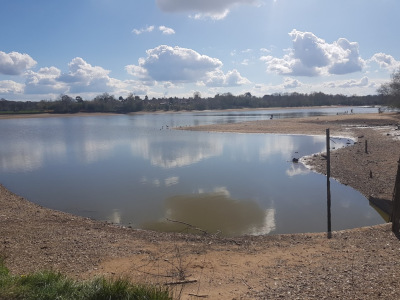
291	83
385	61
313	56
363	82
231	78
83	77
166	30
11	87
214	9
142	30
135	87
265	50
44	81
345	57
175	64
15	63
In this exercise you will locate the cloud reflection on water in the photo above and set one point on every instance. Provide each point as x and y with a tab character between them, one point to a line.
214	212
278	144
297	169
177	153
29	155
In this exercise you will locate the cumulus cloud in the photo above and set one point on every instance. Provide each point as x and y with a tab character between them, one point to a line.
175	64
291	83
363	82
166	30
15	63
11	87
215	9
83	77
385	61
231	78
44	81
313	56
345	57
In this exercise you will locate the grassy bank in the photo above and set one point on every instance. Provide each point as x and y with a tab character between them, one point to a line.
52	285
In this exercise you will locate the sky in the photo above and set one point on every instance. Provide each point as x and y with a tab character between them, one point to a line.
175	48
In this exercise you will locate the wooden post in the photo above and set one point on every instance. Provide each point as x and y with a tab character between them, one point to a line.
395	217
328	154
366	146
328	182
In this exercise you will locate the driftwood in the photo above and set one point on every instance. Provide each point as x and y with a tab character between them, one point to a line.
189	225
198	296
180	282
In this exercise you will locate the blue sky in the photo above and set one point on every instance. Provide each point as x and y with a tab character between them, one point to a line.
178	47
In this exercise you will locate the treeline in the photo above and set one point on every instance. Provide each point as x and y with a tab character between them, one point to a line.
132	103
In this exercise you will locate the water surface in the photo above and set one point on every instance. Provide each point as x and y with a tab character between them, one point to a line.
137	171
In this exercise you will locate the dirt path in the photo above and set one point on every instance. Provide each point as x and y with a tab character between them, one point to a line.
354	264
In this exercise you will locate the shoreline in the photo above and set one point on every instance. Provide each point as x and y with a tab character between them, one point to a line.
88	114
379	129
51	115
357	263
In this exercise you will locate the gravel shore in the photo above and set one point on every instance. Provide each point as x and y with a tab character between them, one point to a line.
360	263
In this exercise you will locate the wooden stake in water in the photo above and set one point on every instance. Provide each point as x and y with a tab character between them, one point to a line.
328	182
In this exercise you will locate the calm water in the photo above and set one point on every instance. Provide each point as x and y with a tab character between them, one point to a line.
135	170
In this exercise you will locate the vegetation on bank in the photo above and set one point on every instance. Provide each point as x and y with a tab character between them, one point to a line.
109	103
52	285
388	95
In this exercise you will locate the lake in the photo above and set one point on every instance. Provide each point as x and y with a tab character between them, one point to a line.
135	170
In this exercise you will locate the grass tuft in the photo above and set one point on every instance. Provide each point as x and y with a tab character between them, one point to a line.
48	285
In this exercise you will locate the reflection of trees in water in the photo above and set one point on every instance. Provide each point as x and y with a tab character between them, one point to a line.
214	212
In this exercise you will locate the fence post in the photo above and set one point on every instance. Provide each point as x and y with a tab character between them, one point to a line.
395	217
328	182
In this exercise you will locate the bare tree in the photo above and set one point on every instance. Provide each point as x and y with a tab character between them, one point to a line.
392	89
